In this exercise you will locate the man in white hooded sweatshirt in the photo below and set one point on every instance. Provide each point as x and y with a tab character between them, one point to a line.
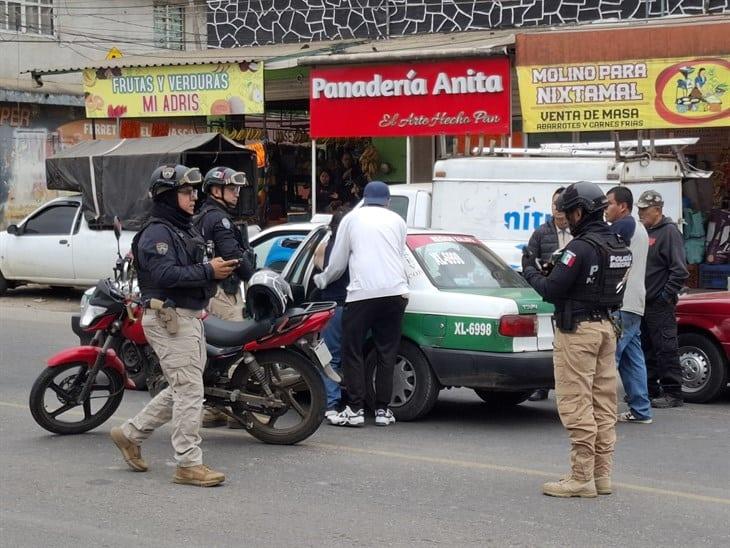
371	240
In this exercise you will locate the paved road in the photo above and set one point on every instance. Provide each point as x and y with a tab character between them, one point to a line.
463	477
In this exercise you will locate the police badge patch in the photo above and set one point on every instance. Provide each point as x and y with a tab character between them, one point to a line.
226	223
167	173
161	248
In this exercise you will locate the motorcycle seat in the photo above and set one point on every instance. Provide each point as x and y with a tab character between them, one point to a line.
224	333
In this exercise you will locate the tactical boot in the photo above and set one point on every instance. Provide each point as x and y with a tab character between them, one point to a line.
131	452
569	487
212	417
199	475
603	486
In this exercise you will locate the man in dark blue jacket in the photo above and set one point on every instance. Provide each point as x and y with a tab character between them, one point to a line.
176	280
666	271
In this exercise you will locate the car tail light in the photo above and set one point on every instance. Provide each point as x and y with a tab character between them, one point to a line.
518	326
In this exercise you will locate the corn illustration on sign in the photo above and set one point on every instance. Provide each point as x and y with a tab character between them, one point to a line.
193	90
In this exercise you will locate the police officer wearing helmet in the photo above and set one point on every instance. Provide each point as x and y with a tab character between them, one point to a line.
585	285
176	280
222	186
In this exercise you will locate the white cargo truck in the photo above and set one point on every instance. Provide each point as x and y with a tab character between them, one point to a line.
502	195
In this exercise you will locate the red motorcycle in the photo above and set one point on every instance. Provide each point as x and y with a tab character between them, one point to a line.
264	373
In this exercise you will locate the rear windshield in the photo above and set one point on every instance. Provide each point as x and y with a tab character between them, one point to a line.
399	204
461	262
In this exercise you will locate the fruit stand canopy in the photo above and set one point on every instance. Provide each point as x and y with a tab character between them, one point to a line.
113	175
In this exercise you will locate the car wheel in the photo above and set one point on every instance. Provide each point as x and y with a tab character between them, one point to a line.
704	372
415	387
497	399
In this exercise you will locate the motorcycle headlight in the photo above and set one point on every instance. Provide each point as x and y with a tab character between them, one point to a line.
89	314
85	298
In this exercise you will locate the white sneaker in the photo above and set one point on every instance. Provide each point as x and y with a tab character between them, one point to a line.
347	417
628	416
384	417
330	413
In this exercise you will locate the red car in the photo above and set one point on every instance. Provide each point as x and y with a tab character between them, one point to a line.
704	344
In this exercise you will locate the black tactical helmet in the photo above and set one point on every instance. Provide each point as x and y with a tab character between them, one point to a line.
172	177
223	176
584	194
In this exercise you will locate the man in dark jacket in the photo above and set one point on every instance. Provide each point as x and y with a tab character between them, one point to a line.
552	235
666	272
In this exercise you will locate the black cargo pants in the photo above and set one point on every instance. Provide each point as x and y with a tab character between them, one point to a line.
659	342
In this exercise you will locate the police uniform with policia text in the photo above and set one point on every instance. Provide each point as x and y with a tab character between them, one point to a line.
175	280
585	286
229	241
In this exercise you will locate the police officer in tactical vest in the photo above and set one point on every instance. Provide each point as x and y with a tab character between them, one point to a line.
222	186
176	280
585	285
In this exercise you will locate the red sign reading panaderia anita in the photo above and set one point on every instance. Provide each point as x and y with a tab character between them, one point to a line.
452	97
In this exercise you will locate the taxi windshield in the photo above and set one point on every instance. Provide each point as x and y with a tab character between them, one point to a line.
461	262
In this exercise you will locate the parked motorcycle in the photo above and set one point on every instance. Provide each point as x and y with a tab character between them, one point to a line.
262	372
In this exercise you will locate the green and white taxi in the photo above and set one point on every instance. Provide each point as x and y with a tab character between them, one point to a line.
471	321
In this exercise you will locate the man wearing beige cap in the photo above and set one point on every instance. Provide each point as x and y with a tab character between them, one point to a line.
666	271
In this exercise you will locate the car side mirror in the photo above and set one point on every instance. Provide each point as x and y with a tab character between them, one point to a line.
13	229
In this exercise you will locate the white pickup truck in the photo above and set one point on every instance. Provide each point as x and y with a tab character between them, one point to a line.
54	245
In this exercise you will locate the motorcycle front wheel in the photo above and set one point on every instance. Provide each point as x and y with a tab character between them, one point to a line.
53	398
294	381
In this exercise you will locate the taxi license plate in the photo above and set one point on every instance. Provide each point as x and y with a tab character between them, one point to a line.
322	353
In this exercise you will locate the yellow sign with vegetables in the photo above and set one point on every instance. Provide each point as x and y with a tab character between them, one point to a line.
192	90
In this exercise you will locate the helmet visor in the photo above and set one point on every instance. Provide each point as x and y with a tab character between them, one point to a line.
192	177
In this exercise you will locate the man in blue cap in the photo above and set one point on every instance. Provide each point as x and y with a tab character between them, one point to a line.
371	241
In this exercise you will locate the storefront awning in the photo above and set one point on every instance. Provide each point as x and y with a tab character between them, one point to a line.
417	47
275	56
13	90
668	38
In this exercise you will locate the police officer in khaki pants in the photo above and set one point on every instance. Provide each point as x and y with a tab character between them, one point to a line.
222	186
586	285
176	280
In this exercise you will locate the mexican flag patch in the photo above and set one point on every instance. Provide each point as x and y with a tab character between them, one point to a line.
568	258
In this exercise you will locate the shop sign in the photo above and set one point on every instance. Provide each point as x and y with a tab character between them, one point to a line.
191	90
642	94
453	97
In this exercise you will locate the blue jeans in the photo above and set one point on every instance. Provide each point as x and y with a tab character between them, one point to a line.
631	365
332	336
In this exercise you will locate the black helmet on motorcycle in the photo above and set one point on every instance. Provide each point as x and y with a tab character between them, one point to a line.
224	176
583	194
173	177
267	295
